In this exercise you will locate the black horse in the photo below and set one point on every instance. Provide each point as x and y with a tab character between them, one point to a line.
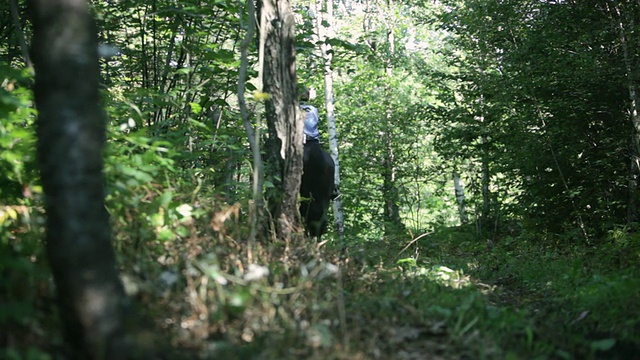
316	189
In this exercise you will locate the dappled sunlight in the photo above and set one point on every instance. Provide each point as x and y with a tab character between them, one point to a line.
440	274
445	275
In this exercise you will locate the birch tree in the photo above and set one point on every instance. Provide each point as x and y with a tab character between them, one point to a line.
625	16
324	25
460	200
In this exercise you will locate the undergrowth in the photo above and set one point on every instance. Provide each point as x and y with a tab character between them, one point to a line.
543	299
206	293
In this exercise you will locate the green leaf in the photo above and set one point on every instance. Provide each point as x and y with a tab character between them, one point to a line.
185	210
195	107
166	235
157	219
199	124
603	345
165	198
184	71
183	231
407	261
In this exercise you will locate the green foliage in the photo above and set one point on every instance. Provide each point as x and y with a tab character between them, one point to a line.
527	83
534	92
29	354
389	110
26	294
17	135
508	298
582	289
24	283
138	196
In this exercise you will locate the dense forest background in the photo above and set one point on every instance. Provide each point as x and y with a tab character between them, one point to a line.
489	159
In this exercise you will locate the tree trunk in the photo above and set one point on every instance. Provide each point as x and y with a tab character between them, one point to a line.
459	192
284	120
256	207
485	183
326	33
626	23
15	17
484	217
71	132
393	221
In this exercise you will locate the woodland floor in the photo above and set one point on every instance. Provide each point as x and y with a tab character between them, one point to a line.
524	298
446	295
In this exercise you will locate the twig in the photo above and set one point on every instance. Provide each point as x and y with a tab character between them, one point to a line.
412	242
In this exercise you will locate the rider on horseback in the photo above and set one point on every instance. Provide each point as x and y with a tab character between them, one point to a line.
317	186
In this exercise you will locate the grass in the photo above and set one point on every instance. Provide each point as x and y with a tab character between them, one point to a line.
446	295
551	301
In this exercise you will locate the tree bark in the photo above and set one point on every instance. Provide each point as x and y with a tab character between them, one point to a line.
459	192
326	53
15	17
252	135
284	120
626	22
484	216
71	132
392	219
485	181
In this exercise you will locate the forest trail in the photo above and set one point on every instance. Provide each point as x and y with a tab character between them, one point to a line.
469	299
449	296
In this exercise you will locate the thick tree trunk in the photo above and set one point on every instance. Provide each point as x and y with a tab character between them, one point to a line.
71	133
284	119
